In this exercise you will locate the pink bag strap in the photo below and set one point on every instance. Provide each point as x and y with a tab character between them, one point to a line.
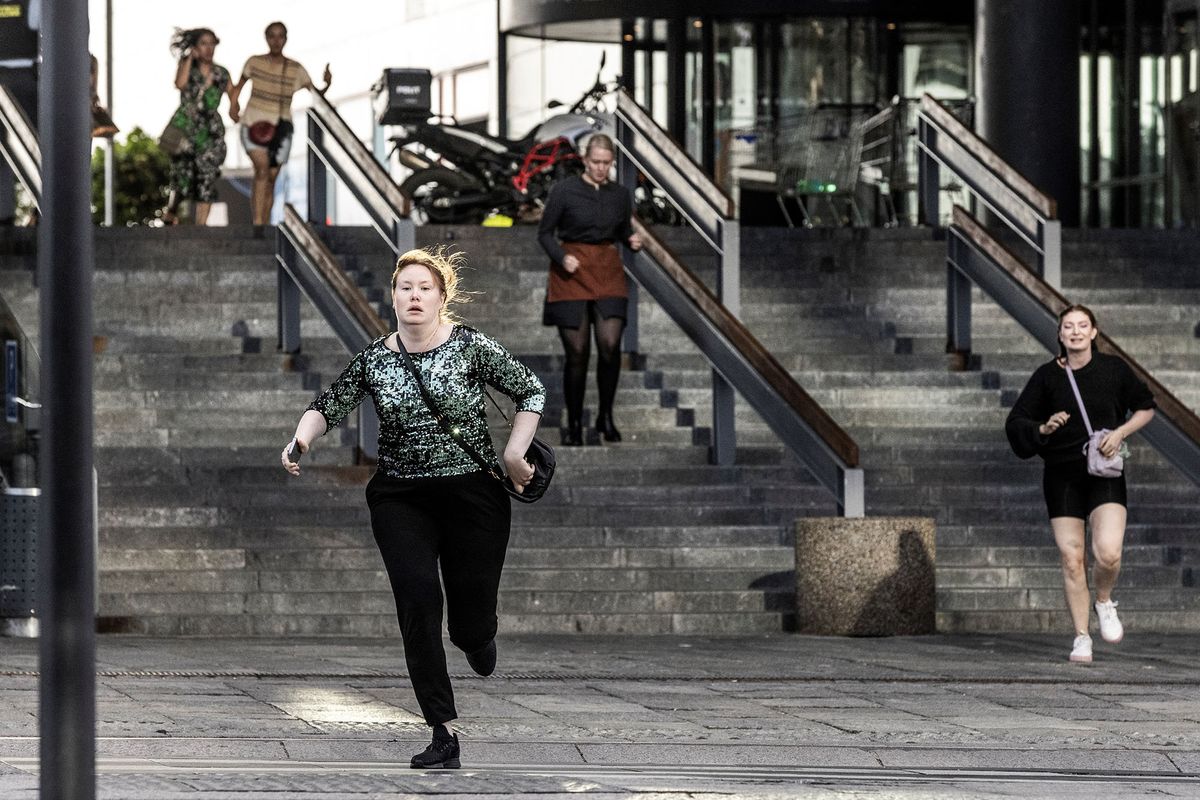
1075	388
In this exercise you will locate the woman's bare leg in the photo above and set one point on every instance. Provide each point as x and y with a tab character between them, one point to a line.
1069	536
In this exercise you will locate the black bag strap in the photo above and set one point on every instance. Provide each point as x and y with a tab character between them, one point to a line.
450	430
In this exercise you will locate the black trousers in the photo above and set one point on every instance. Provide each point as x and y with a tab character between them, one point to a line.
461	522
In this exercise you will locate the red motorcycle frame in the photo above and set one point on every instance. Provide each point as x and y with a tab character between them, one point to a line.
543	157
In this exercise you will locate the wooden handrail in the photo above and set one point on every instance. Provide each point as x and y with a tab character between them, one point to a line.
1168	404
976	146
751	349
326	263
666	144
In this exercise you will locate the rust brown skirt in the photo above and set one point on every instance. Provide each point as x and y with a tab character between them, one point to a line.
599	281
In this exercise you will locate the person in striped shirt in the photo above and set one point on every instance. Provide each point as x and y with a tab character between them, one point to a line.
267	118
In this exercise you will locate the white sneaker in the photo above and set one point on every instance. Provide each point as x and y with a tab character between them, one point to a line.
1111	629
1081	651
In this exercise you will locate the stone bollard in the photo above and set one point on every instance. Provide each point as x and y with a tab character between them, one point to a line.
865	577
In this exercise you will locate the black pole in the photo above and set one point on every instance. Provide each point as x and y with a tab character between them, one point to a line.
1032	124
1131	115
67	605
676	78
501	77
1093	216
708	95
628	57
108	57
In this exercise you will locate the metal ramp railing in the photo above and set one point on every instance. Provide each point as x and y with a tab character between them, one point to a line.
307	267
333	147
19	146
1030	294
1035	304
710	319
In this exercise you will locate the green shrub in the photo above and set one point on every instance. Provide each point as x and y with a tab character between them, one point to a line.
140	180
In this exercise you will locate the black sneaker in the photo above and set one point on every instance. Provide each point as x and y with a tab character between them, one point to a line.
442	752
483	660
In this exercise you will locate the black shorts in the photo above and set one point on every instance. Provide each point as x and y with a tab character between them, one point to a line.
1072	492
572	313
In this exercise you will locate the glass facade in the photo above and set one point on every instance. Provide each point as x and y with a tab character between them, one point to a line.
759	93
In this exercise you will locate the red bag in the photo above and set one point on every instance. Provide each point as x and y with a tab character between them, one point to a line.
261	133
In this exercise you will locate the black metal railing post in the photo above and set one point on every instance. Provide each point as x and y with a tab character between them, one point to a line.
627	177
318	177
958	306
928	177
287	318
724	398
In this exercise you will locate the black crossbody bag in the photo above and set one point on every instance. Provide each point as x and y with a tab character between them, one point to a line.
540	455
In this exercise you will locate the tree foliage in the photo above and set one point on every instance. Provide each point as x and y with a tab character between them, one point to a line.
140	180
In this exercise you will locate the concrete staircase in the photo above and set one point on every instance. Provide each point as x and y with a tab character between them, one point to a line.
201	532
858	317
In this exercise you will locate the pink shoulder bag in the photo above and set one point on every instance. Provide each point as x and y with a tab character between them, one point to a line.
1098	464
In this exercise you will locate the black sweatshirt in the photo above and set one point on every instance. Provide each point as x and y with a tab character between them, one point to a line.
1110	393
581	212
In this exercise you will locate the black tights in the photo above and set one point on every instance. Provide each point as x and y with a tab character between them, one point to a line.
576	346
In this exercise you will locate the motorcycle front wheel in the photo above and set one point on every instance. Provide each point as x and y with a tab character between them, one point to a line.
441	197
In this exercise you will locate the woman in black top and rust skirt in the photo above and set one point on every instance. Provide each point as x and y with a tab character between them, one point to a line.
1046	421
587	287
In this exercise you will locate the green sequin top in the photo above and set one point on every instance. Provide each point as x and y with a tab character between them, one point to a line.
411	443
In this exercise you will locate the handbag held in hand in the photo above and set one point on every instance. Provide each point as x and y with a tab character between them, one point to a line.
1098	464
539	455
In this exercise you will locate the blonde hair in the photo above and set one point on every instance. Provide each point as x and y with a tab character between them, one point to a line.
599	141
443	265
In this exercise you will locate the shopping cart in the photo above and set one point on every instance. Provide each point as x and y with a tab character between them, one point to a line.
817	165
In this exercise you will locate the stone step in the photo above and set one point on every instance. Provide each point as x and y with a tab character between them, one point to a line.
381	625
259	538
648	528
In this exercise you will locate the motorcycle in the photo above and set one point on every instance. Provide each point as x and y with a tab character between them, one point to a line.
462	176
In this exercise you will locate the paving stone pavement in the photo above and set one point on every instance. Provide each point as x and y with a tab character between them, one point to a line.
769	716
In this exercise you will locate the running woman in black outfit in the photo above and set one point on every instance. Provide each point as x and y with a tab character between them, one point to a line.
1045	421
431	505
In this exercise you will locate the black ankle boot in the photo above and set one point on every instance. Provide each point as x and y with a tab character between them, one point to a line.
442	752
573	434
606	428
483	660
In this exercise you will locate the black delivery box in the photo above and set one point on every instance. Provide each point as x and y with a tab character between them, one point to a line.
403	95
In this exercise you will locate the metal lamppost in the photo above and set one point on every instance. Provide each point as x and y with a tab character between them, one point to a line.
67	557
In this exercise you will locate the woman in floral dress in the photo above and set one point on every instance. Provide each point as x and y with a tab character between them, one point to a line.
195	170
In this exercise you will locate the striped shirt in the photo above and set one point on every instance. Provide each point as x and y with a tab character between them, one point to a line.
271	88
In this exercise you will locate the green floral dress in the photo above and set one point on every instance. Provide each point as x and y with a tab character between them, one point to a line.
411	443
195	171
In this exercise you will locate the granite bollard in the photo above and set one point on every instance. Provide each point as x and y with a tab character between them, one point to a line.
865	577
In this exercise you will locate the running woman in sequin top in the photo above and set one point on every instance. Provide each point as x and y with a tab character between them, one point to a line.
430	503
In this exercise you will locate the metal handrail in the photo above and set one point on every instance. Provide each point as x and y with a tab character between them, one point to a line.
1035	305
19	145
660	157
306	265
710	320
334	146
1031	213
746	365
